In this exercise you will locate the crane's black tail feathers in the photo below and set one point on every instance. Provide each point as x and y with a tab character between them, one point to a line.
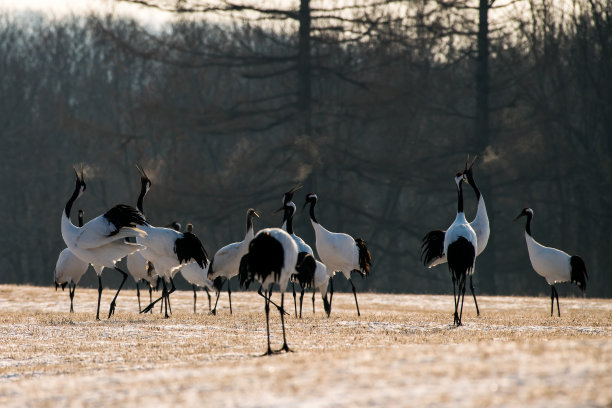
189	247
123	215
432	246
243	272
578	274
218	283
266	256
365	259
460	257
305	268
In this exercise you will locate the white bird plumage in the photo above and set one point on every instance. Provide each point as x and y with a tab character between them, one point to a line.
339	252
460	245
432	245
553	264
69	269
101	241
197	276
225	264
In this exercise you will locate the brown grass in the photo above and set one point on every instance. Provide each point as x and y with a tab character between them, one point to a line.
402	351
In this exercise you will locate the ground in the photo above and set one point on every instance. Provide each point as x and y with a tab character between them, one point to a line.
402	351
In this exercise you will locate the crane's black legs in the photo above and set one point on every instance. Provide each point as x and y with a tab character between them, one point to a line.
165	296
285	346
294	300
260	293
111	311
313	296
229	294
195	297
462	294
71	293
455	301
474	295
302	300
331	294
554	295
208	294
267	309
99	296
151	295
218	287
355	294
138	295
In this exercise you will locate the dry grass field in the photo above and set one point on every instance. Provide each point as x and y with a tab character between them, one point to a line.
402	351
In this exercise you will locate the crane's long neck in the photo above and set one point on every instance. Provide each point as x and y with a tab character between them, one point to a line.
459	198
250	233
528	225
75	195
143	192
312	212
80	218
289	224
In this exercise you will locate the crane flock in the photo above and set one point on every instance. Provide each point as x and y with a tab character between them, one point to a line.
275	256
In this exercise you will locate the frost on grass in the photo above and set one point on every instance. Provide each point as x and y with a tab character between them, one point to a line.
402	351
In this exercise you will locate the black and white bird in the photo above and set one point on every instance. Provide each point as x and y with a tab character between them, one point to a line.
432	246
141	269
339	252
69	269
226	262
197	277
101	242
305	277
552	264
271	259
460	245
168	250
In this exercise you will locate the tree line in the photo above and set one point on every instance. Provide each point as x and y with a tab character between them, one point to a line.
374	106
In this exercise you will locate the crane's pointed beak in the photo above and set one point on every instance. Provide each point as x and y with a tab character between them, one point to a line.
255	214
518	216
279	210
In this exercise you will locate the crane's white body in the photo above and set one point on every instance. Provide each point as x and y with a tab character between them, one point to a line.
226	261
137	267
196	275
91	243
321	278
69	268
159	249
338	251
550	263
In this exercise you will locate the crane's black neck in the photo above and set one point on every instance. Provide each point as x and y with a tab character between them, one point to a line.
312	211
75	195
249	223
143	192
459	198
528	224
80	218
289	219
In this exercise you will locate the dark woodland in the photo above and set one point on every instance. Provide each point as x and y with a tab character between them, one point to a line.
373	106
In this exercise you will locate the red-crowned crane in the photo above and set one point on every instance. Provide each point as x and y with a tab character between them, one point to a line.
339	251
101	242
226	262
197	277
552	264
271	259
432	247
460	245
69	269
140	268
168	250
